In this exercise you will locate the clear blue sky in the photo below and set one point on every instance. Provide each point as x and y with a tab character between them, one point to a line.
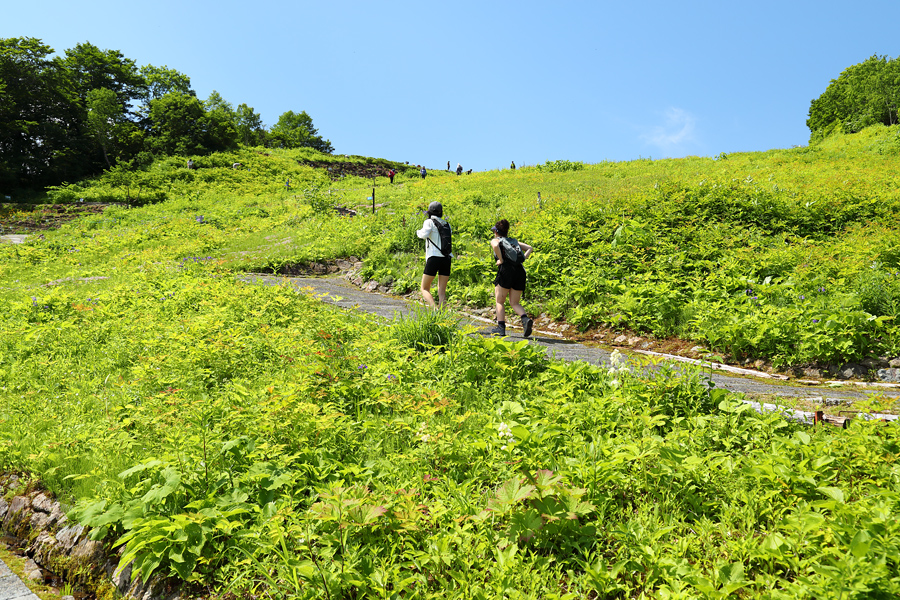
484	83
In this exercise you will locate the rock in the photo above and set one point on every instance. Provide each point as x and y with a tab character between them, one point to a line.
43	548
811	372
68	536
759	364
889	375
620	339
33	571
57	515
17	514
894	363
4	507
870	364
370	286
39	520
697	349
42	503
89	550
853	372
633	341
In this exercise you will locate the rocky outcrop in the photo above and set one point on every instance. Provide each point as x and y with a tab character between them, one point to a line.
56	547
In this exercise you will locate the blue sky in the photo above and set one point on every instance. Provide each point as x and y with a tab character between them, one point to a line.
486	83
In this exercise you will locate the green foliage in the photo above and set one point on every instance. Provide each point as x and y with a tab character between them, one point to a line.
425	329
863	95
255	441
74	116
560	166
296	130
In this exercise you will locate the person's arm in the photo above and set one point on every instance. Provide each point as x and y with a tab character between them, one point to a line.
427	226
526	249
495	248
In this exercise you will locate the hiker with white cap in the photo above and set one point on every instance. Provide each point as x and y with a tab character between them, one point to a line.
438	253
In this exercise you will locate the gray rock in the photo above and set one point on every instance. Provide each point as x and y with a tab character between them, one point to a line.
33	571
42	503
621	339
853	372
873	363
894	363
68	536
44	547
4	508
89	550
39	520
17	513
889	375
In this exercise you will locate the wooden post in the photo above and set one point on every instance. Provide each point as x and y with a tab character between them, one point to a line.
373	200
540	204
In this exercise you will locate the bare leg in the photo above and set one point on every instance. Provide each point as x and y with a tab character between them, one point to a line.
442	289
514	297
500	298
426	289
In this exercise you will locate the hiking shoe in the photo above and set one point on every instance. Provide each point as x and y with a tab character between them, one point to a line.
498	331
527	323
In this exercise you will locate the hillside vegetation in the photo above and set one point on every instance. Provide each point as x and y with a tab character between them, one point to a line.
250	440
790	256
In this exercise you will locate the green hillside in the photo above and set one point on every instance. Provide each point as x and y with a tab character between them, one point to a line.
250	441
788	256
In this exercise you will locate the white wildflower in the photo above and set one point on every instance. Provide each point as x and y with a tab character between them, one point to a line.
504	432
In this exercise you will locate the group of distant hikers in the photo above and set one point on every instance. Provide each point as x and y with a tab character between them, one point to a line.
509	255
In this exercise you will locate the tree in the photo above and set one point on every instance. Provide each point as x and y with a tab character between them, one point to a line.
91	68
180	125
39	117
296	130
864	94
107	125
250	128
163	80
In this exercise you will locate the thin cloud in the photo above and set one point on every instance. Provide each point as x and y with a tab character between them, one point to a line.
676	131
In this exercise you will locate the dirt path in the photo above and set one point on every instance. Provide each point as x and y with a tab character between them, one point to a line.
759	387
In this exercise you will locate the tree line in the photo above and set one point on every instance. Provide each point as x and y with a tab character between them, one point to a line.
864	94
66	117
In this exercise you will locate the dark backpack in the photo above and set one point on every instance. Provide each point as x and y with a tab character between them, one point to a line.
446	235
511	250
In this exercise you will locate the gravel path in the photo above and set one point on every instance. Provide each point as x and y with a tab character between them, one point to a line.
339	291
11	587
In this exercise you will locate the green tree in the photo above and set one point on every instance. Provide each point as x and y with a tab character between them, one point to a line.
864	94
296	130
179	124
91	68
250	128
107	125
39	117
163	80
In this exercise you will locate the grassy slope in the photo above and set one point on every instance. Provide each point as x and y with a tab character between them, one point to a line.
170	398
755	255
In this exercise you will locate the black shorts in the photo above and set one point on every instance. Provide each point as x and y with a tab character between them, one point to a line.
437	265
511	277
